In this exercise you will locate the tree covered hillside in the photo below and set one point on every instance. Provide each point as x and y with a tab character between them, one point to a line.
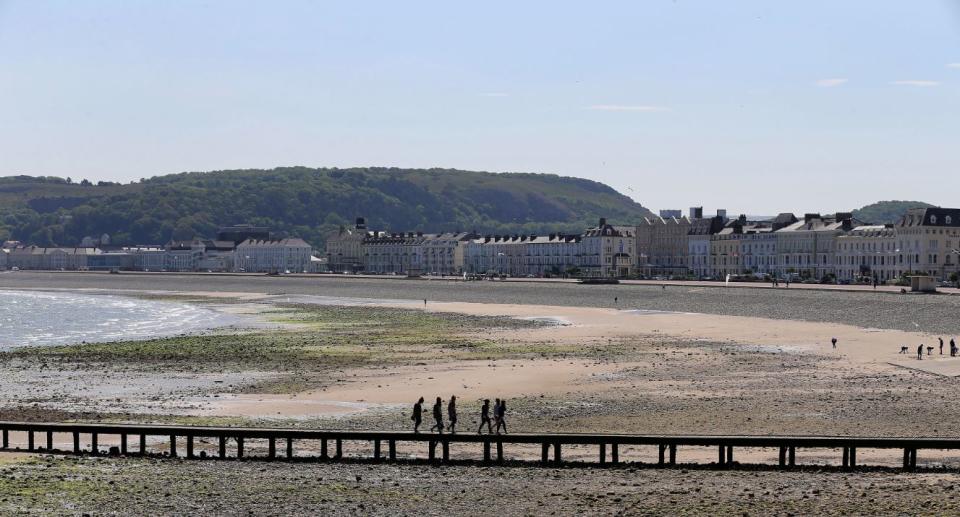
303	202
884	212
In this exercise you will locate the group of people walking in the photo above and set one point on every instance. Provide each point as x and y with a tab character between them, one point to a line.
493	425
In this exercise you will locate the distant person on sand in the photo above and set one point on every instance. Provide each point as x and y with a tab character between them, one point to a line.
502	417
941	345
417	416
438	416
953	348
834	341
920	352
485	417
452	413
424	302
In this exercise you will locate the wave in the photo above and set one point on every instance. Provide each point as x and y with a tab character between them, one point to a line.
37	318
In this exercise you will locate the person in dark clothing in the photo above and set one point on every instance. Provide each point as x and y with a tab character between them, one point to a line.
452	413
953	348
438	416
417	416
920	352
941	345
834	341
485	417
501	411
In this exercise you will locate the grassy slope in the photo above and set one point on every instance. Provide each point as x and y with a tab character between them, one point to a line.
306	202
883	212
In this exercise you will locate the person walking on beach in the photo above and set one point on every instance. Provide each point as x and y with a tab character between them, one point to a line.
452	414
496	414
920	352
485	417
834	341
953	348
501	412
438	416
417	416
941	345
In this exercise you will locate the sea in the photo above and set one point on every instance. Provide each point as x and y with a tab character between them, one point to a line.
44	318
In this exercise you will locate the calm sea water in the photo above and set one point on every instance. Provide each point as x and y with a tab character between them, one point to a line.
55	318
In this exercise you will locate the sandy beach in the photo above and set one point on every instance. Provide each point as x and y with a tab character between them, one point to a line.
330	360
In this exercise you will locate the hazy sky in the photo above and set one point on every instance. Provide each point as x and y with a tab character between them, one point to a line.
755	106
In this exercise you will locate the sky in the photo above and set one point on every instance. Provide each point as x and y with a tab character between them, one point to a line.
753	106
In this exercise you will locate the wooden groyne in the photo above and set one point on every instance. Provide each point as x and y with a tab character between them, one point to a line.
382	445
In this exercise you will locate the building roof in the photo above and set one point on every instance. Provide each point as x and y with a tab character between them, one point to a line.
936	216
294	242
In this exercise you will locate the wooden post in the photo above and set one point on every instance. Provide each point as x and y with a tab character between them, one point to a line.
432	450
846	457
6	439
913	458
557	454
499	452
29	440
793	456
783	456
853	457
376	449
486	452
76	442
49	440
239	447
339	448
123	444
190	446
392	449
289	448
173	445
723	455
94	448
272	447
603	454
660	460
673	454
545	452
222	452
323	449
615	452
729	454
906	459
446	451
143	444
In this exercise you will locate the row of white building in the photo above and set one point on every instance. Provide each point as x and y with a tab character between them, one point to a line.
602	251
236	249
835	246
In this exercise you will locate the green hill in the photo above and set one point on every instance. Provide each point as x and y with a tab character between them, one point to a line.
304	202
884	212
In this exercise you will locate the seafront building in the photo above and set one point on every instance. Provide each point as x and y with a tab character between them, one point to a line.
255	252
818	247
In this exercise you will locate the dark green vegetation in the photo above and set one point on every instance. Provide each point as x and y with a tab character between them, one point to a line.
887	212
325	338
304	202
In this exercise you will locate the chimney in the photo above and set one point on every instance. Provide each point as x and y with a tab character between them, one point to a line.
361	223
722	213
847	224
696	212
603	221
